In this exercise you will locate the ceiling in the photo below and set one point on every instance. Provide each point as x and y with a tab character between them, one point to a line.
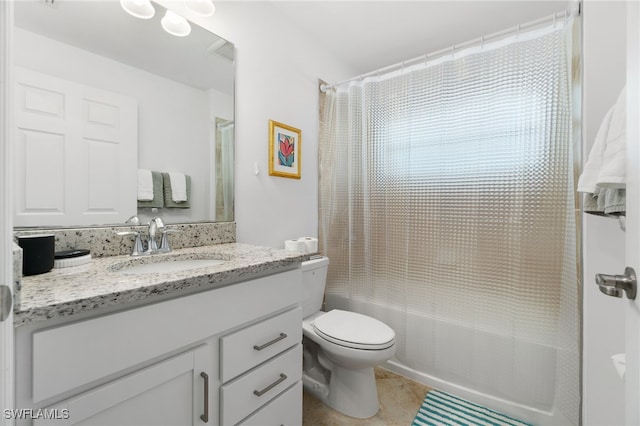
199	60
368	35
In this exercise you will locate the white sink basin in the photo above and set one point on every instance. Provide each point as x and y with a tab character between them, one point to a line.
169	266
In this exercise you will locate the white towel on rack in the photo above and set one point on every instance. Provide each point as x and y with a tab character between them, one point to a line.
178	187
614	165
145	185
588	181
603	178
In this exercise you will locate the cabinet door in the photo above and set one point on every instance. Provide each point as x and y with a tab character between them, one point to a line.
171	392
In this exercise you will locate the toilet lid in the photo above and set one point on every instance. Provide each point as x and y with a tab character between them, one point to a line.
354	330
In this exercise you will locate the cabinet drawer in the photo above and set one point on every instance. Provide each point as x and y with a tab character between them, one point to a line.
246	348
285	410
247	393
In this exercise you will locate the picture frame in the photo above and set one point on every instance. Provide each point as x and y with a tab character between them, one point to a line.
285	143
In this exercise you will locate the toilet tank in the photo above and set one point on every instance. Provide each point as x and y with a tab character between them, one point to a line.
314	279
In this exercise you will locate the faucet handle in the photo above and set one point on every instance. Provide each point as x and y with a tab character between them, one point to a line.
133	220
155	225
165	247
138	247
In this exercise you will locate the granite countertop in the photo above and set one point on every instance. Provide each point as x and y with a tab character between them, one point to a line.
99	284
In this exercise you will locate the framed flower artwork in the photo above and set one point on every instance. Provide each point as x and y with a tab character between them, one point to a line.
284	150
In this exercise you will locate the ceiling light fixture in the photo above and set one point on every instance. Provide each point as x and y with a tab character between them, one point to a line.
139	8
204	8
175	24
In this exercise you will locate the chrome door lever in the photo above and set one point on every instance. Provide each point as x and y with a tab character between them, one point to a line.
613	285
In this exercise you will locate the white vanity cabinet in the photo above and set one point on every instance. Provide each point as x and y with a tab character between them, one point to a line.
158	363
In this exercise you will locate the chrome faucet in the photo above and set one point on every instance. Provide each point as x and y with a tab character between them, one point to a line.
156	225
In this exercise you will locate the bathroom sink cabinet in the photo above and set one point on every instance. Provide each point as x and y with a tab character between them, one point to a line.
226	356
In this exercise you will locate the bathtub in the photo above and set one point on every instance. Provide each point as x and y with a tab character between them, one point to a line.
514	376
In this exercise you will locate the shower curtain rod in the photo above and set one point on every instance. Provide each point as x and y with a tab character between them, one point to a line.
574	10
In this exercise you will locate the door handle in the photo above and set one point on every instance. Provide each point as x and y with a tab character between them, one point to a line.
6	301
614	285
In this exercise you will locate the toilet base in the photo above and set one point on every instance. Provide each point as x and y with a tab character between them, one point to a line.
351	392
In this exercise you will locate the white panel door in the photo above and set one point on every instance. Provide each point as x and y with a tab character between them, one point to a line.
632	257
6	269
76	153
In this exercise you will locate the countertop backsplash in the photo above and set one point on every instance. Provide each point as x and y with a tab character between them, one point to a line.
103	241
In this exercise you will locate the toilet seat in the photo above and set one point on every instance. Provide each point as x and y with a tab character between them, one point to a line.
354	330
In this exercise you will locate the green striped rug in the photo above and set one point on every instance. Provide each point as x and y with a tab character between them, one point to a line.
441	408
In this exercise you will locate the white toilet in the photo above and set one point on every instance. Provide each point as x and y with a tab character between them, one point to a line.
340	349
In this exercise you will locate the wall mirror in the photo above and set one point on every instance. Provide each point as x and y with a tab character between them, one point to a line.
100	94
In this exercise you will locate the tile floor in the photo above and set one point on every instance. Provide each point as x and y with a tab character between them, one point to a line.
399	398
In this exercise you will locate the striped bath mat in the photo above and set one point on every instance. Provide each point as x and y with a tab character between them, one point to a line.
440	408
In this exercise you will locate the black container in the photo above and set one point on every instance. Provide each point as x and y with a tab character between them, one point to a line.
37	253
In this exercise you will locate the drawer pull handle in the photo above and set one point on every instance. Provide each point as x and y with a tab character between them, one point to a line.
282	378
271	342
205	417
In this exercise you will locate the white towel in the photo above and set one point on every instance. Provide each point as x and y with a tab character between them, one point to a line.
145	185
613	173
178	187
589	178
606	166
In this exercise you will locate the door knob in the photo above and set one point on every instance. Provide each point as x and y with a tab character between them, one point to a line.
613	285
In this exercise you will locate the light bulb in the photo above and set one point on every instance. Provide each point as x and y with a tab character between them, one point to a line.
175	24
204	8
139	8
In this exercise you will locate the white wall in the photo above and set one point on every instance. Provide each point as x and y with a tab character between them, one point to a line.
277	76
173	118
604	77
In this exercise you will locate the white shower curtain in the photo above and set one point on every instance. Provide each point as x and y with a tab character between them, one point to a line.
447	210
224	182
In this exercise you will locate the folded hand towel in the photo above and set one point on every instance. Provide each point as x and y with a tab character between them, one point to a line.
168	193
145	185
158	193
613	171
178	187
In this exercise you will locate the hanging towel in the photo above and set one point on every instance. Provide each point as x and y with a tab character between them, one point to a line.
607	202
615	201
158	193
145	185
613	171
589	177
168	193
603	179
590	205
178	183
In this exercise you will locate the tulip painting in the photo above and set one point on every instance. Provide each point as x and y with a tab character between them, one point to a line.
286	154
284	150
